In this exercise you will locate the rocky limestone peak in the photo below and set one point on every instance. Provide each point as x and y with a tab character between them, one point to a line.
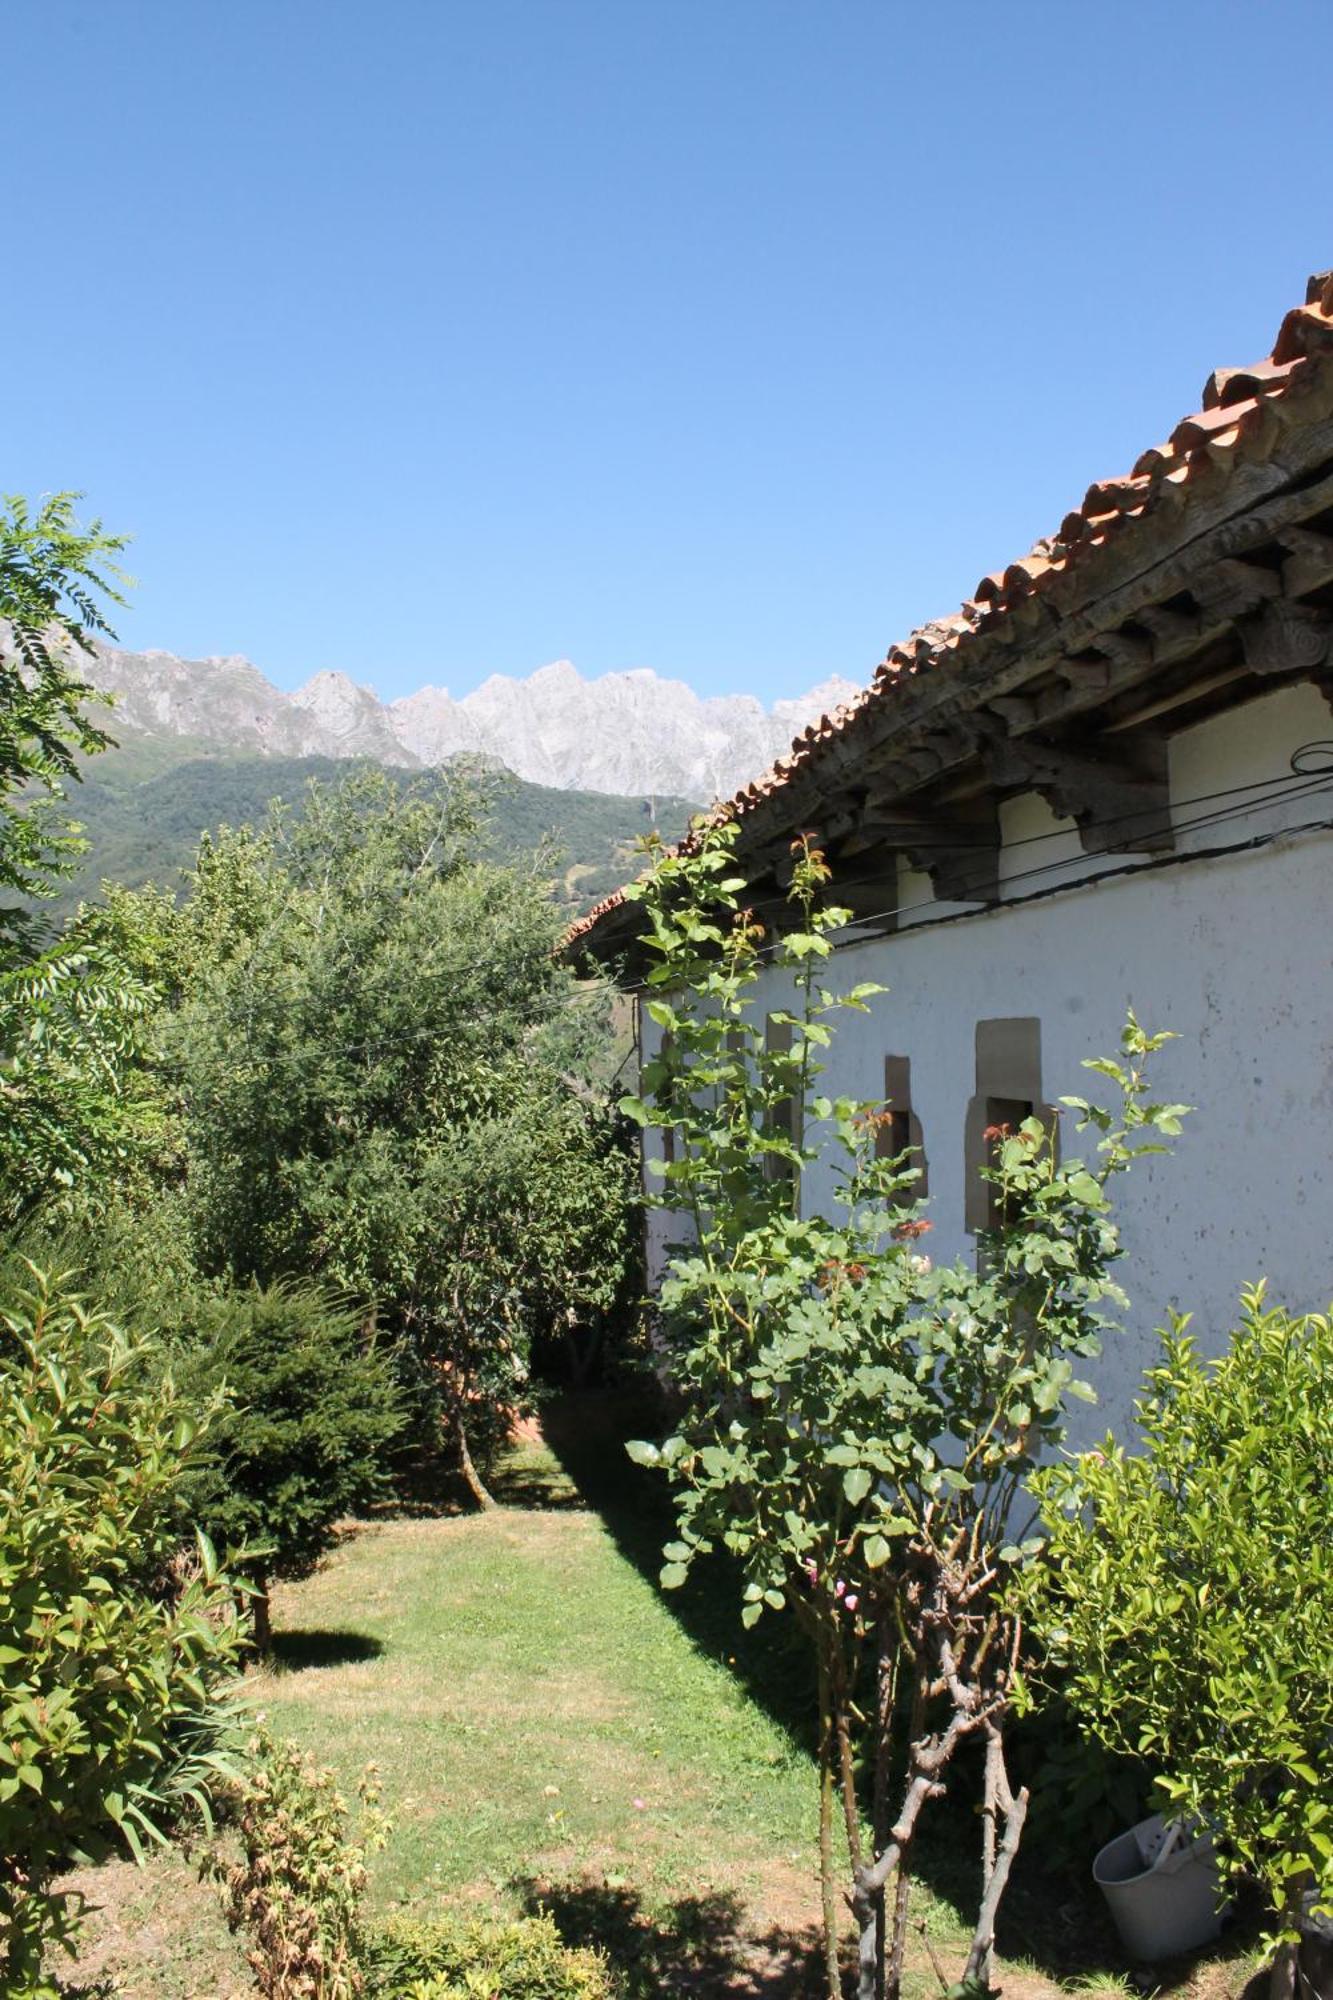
632	732
830	694
350	719
554	676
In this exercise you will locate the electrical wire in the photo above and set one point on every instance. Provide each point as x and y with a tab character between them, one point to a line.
1306	775
1301	780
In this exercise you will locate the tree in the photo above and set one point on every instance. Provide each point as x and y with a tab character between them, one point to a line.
71	1014
52	575
308	1409
1187	1601
115	1652
529	1203
72	1023
371	1059
858	1425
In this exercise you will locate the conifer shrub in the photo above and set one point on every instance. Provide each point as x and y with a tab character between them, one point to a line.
312	1409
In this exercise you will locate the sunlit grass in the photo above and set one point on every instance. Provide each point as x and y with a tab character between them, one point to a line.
549	1727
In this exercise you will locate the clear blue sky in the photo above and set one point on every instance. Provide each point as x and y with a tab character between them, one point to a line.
432	338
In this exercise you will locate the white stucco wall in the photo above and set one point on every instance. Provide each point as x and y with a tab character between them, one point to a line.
1235	954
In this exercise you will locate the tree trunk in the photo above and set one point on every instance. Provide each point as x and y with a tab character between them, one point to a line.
827	1883
471	1477
997	1861
902	1886
886	1693
261	1617
582	1354
1286	1975
1282	1973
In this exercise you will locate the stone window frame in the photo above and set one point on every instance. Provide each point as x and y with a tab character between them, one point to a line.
1008	1090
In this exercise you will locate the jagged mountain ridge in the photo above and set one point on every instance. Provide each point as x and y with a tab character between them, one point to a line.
623	733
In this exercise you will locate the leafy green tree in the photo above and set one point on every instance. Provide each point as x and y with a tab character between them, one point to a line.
528	1207
72	1024
54	576
1187	1601
115	1652
372	1058
71	1015
858	1424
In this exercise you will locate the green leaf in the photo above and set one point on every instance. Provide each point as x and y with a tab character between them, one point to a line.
876	1551
856	1483
673	1575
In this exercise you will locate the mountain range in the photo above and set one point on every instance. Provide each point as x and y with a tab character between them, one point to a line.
632	733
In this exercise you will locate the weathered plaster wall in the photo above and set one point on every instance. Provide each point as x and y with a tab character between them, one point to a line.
1234	953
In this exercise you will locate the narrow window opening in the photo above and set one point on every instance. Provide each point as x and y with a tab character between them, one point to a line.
901	1130
783	1118
1004	1115
667	1132
1008	1090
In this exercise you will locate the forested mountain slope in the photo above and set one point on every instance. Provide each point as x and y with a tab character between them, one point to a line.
144	806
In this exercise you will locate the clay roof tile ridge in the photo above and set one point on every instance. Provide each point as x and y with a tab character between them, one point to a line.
1201	449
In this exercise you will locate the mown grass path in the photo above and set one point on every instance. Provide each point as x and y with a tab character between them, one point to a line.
536	1712
550	1729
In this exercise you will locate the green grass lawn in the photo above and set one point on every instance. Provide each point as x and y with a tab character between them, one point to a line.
551	1729
535	1710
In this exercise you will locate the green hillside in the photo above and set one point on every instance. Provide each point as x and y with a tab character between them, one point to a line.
144	806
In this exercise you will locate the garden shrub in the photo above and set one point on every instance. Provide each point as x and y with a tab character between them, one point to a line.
115	1654
1188	1597
296	1882
482	1958
312	1408
292	1867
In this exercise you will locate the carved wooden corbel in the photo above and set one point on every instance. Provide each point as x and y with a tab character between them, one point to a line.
1287	638
1309	562
1171	629
959	851
961	855
1119	802
1233	587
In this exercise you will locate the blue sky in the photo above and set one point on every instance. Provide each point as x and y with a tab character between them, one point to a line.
728	337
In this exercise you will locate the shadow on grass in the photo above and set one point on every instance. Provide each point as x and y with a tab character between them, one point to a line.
586	1431
520	1480
310	1646
1051	1915
690	1946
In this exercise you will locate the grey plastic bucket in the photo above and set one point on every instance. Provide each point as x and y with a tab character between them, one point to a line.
1163	1887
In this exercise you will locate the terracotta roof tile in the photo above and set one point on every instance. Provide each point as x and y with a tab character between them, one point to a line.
1233	385
1237	413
